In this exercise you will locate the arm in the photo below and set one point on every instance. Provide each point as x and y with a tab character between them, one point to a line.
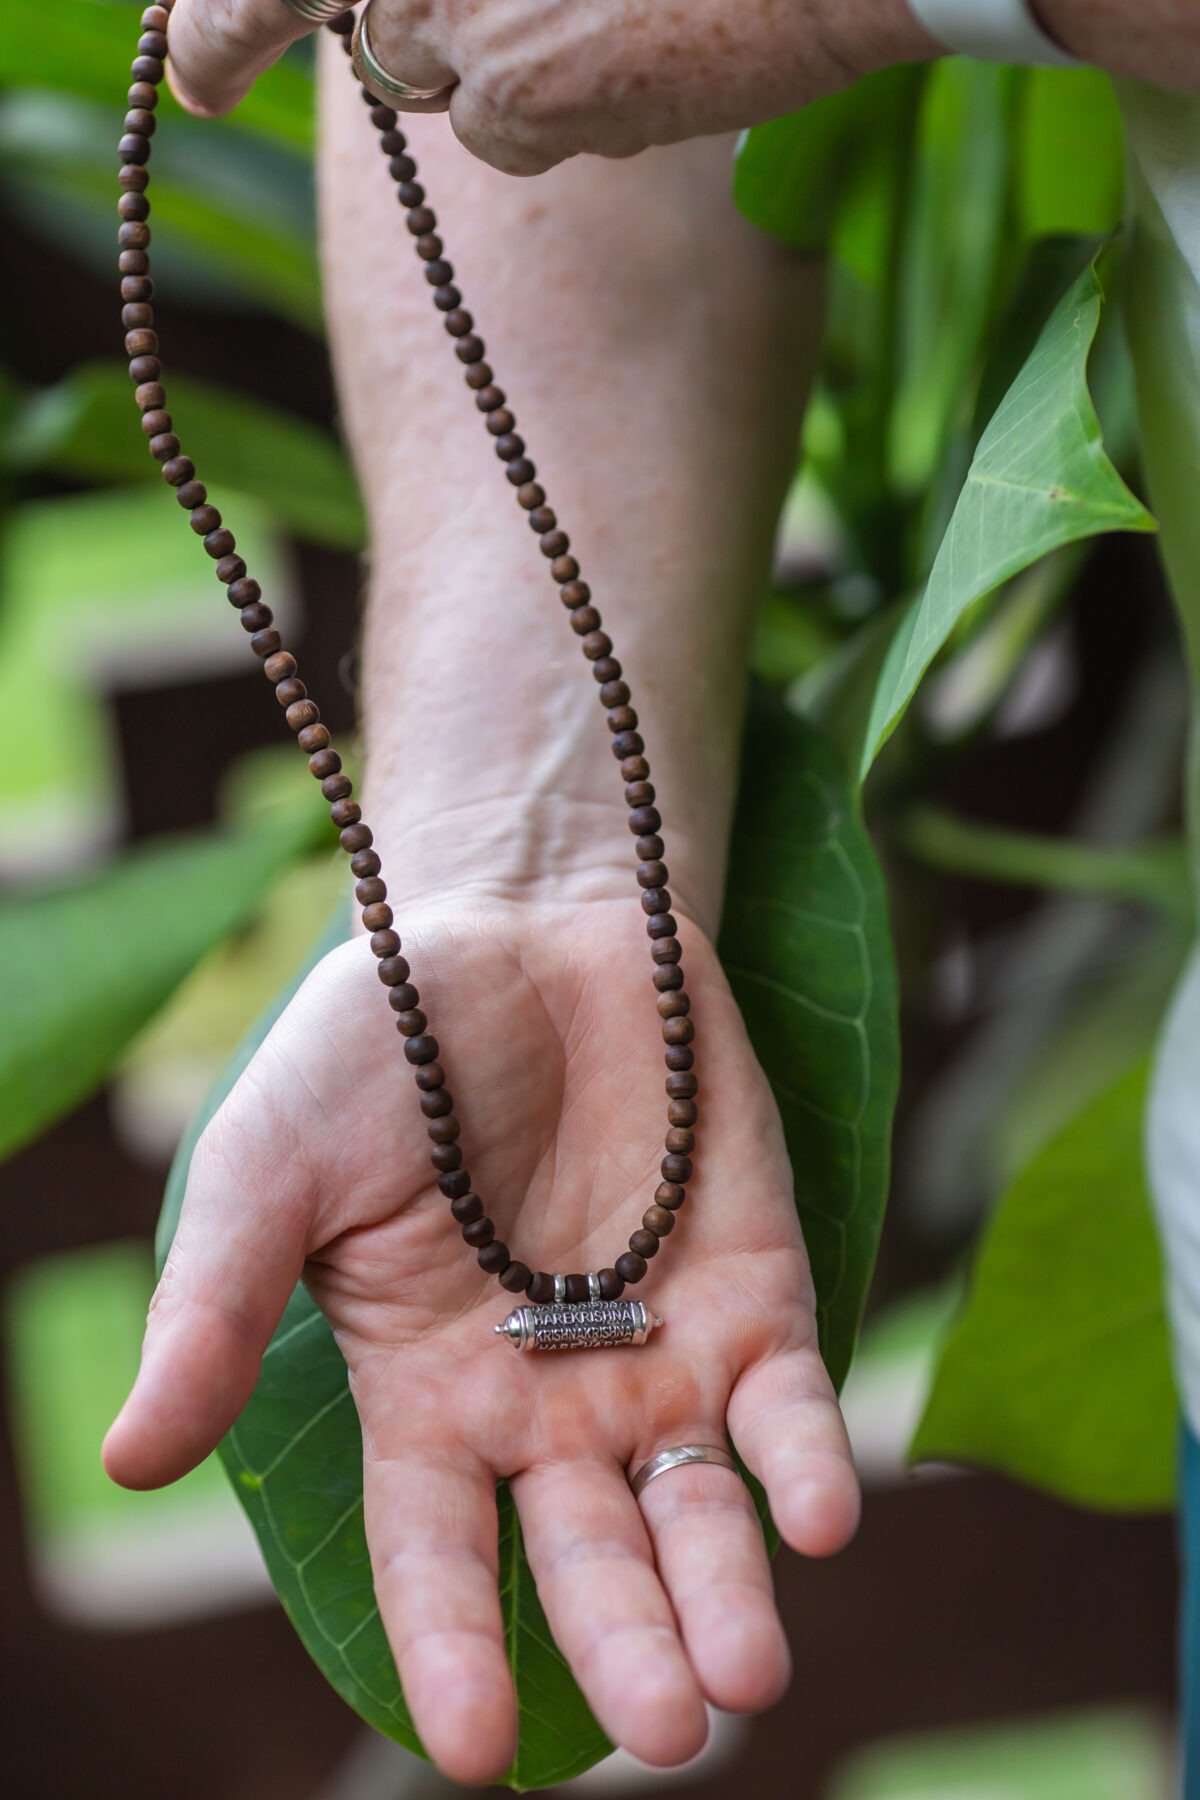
658	351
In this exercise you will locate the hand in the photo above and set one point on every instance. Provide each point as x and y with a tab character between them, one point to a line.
542	80
316	1165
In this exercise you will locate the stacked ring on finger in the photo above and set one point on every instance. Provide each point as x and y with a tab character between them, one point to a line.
382	85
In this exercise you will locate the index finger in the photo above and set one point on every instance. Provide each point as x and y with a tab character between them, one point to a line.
217	48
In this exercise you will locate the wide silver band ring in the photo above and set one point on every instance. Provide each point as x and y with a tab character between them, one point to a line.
676	1459
317	12
386	87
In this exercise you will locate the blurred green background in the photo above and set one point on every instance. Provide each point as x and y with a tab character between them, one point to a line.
165	874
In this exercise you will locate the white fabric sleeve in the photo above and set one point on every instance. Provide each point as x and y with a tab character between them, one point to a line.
992	30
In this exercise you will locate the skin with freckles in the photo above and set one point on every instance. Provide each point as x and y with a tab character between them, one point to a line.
657	351
538	81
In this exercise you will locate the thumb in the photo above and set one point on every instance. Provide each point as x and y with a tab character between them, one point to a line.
238	1252
216	48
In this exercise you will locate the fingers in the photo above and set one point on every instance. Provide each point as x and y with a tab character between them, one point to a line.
788	1428
237	1255
713	1563
218	47
432	1529
591	1558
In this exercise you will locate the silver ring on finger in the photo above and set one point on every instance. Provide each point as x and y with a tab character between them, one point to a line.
317	12
386	87
678	1458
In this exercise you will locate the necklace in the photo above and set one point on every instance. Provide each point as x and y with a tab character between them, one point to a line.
566	1311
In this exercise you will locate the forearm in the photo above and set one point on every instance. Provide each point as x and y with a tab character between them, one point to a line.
656	351
1157	41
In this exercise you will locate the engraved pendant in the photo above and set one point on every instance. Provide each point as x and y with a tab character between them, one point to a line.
592	1325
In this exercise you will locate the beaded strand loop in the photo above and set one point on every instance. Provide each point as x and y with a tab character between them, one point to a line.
304	719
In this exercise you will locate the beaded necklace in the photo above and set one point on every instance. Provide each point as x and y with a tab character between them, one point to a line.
566	1311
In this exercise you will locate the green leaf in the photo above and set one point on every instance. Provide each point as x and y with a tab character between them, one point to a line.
87	425
1071	155
790	173
85	965
1058	1371
82	47
807	948
807	936
1039	479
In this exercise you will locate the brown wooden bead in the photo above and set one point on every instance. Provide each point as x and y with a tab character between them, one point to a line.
596	643
421	1049
643	1243
630	1267
627	744
680	1140
365	861
678	1031
454	1183
133	262
649	849
541	1288
565	568
155	19
134	148
611	1285
444	1131
192	494
653	874
515	1278
430	1076
378	915
152	43
467	1208
288	689
301	713
204	519
542	519
635	768
667	950
575	593
660	1220
605	668
675	1005
142	93
278	667
178	470
662	925
340	787
478	1232
656	900
244	590
141	119
147	68
131	317
164	446
447	1158
668	979
585	620
577	1289
676	1168
679	1057
374	887
643	820
145	368
438	1104
263	642
682	1087
313	737
670	1195
357	837
553	542
531	494
218	543
521	470
229	569
458	322
681	1112
134	178
345	812
493	1259
614	693
490	399
412	1023
477	375
403	998
325	762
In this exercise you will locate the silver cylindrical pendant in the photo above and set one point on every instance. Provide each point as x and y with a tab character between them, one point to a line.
592	1325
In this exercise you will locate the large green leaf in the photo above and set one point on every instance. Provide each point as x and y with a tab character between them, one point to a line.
83	966
807	948
1058	1371
808	952
87	425
85	47
1039	479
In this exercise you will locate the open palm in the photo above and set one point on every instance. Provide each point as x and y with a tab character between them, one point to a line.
316	1166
